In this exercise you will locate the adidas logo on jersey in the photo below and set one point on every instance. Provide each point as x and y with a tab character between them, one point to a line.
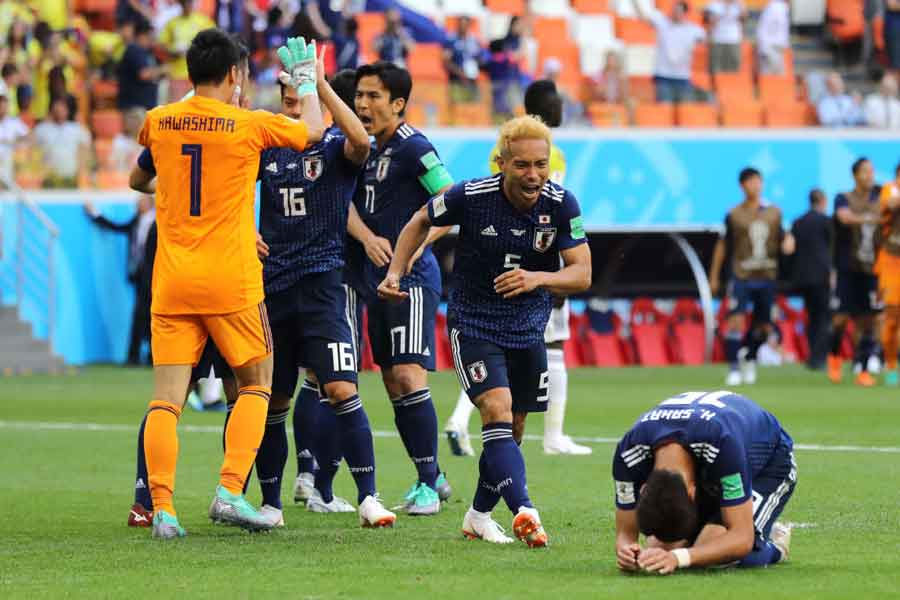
426	352
291	166
517	232
272	168
489	230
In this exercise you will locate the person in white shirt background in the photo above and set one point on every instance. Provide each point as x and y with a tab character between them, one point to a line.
725	18
125	149
64	143
676	37
12	132
773	37
837	108
882	108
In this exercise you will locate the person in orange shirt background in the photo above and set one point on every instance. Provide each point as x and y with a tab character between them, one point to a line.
207	279
887	267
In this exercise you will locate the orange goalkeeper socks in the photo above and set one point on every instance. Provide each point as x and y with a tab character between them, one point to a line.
889	340
161	451
243	435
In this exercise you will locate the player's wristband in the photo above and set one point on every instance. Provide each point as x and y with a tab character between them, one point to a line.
683	556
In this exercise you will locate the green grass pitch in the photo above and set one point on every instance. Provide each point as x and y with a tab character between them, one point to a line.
65	494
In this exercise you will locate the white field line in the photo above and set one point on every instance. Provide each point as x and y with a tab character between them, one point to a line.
109	427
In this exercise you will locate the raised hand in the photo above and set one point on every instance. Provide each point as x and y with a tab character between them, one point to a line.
299	61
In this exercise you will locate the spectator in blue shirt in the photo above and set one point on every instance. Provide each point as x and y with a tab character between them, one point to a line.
503	71
139	72
837	108
395	43
346	44
462	57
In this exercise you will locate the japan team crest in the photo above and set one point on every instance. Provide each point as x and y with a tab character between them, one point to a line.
381	171
477	371
312	167
543	238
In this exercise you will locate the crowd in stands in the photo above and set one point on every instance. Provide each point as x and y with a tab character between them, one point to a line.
79	75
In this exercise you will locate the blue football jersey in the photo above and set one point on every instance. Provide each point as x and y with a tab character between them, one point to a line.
731	438
304	201
387	197
493	238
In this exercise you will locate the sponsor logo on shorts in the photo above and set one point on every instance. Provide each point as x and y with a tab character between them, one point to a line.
477	371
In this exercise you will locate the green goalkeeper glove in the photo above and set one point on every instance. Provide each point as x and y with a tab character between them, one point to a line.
299	61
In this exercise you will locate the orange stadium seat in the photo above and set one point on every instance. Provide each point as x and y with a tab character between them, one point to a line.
569	56
635	31
846	20
654	115
103	148
426	62
551	28
604	350
106	123
742	113
507	7
96	5
642	89
112	180
591	7
104	91
471	114
878	32
696	114
416	115
607	115
207	7
787	113
648	332
370	25
733	86
774	88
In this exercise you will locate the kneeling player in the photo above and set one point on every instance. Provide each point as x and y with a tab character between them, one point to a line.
704	476
513	229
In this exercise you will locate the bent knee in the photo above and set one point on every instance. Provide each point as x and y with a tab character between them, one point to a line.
338	391
279	401
405	379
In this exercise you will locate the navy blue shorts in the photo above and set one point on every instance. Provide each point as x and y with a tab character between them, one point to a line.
403	334
758	292
312	327
856	293
211	357
482	366
772	489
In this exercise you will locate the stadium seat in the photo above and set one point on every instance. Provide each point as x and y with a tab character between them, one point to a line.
745	113
787	114
96	6
649	328
370	25
104	93
635	31
654	115
569	56
103	148
642	89
573	354
443	357
106	123
470	114
845	19
604	350
550	29
878	32
688	333
112	180
595	30
607	115
591	7
509	7
776	88
426	63
640	59
733	86
696	114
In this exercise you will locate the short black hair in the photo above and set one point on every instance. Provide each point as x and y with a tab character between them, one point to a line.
543	100
243	49
396	80
665	510
858	163
816	195
142	26
748	173
344	84
9	69
211	56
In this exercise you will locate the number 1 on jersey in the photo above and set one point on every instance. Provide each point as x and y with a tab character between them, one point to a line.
195	151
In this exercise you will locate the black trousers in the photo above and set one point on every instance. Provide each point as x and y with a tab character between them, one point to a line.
816	299
140	326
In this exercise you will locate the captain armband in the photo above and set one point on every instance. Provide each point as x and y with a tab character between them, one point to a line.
436	176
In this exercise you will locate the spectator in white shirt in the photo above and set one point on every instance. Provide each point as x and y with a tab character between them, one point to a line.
12	131
837	108
125	148
773	37
726	33
65	145
675	40
882	109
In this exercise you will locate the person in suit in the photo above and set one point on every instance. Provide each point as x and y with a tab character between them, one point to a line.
814	237
140	270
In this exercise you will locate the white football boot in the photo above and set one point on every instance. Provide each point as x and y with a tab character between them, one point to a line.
337	505
480	526
373	514
304	486
564	444
272	515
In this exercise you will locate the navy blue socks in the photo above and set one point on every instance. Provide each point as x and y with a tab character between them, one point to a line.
272	457
305	412
356	439
416	422
505	465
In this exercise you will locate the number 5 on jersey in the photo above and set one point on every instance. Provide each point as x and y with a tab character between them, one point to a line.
294	204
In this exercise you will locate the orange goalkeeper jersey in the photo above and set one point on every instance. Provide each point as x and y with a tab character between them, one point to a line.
206	156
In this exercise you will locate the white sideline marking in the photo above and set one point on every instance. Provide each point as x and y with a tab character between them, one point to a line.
106	427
